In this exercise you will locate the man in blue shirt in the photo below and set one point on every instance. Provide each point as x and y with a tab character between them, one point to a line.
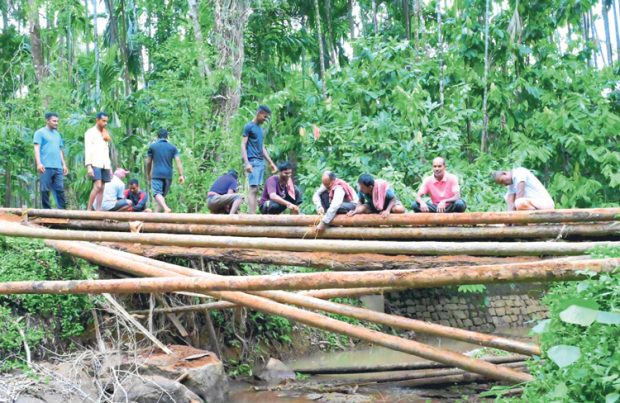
159	169
252	153
223	197
50	161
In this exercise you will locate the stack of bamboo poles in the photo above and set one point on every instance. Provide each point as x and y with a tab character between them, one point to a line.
236	238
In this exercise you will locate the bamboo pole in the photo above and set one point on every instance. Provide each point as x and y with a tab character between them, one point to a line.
504	217
408	366
342	246
544	271
409	233
319	260
316	320
359	313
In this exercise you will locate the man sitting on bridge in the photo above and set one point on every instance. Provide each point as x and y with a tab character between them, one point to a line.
280	192
138	197
525	192
223	197
376	196
443	187
114	193
334	196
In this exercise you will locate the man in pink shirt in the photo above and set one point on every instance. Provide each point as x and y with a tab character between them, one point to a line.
444	190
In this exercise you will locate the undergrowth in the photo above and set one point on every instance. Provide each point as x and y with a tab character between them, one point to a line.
581	358
50	320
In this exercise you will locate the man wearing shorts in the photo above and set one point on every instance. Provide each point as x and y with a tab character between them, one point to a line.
50	161
97	159
253	153
159	169
223	197
114	193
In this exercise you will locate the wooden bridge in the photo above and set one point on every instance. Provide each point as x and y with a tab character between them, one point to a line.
365	254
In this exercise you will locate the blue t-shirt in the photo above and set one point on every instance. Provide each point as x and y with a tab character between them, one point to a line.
162	153
51	144
254	133
224	183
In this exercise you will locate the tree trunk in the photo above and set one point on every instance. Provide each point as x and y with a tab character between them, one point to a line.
7	186
124	48
331	41
417	23
485	97
97	63
406	14
605	11
36	46
440	53
360	220
194	13
351	20
231	17
617	30
375	22
317	245
321	52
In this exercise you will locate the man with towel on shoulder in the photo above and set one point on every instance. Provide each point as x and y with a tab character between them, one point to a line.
280	192
376	196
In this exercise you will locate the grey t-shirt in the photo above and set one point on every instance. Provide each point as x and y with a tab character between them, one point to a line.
534	189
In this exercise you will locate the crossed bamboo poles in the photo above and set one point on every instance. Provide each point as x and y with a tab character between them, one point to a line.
265	301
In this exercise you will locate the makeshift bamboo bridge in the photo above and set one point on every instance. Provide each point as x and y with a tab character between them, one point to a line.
400	252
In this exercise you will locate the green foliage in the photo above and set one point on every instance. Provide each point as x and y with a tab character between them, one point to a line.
472	288
50	317
581	360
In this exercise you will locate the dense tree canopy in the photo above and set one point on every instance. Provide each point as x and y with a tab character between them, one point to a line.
485	83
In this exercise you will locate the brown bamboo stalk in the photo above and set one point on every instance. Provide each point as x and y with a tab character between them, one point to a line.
505	217
409	375
320	321
409	366
319	260
411	233
545	271
319	245
306	301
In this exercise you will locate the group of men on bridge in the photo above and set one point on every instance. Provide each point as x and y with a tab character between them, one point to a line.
334	196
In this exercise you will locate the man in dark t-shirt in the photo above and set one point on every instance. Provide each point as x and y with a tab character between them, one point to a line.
223	197
280	192
159	169
139	198
252	152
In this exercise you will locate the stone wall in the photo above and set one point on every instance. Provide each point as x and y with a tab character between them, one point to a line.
499	306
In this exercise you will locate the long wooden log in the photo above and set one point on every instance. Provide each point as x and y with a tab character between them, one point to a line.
318	260
406	375
543	271
514	217
320	321
407	366
341	246
359	313
610	229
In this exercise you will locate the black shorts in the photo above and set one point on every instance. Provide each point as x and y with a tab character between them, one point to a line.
102	174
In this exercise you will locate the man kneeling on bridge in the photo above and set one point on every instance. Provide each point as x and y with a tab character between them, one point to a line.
443	187
525	192
280	192
223	197
376	196
334	196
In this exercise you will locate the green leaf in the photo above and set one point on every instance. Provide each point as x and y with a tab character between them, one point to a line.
579	315
608	318
541	327
612	397
564	355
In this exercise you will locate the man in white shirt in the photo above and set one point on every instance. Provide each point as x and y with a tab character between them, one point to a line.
525	192
334	196
114	193
97	159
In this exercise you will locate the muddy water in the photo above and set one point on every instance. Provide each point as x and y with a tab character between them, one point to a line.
374	355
